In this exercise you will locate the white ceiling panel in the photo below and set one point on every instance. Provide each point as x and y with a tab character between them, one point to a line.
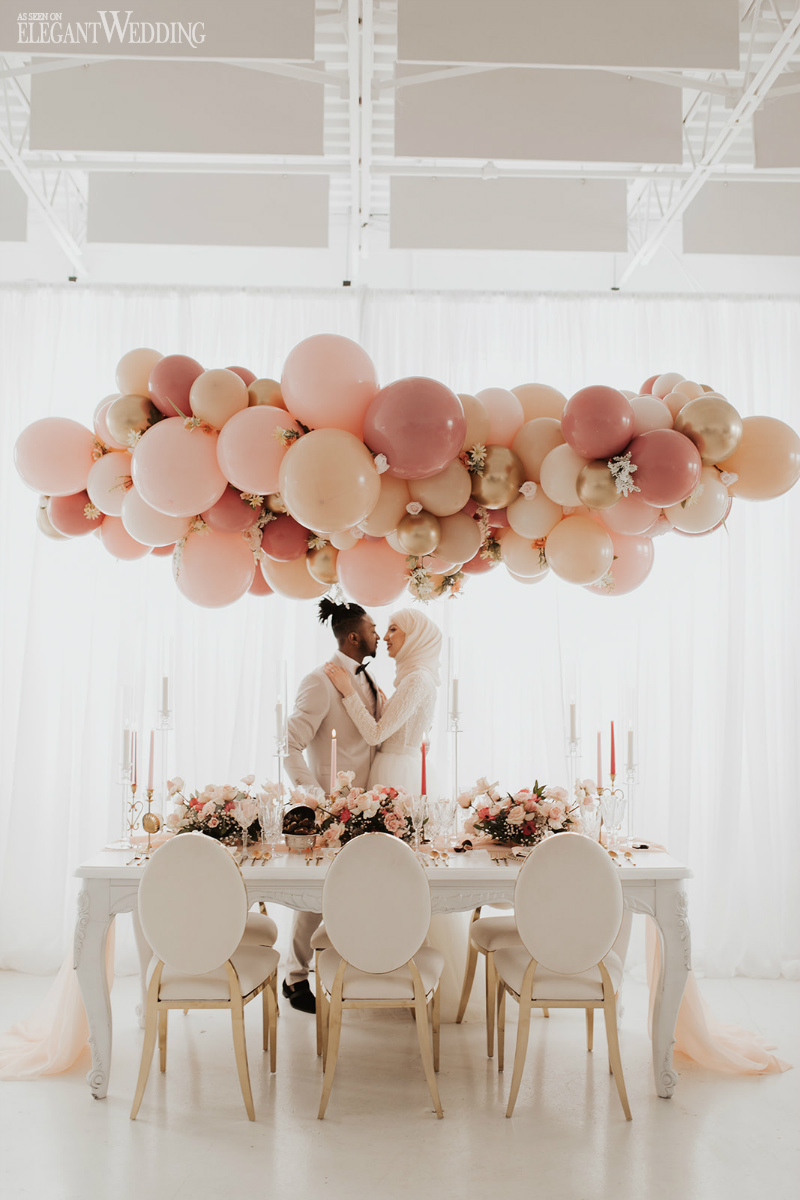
13	210
271	29
626	33
507	214
209	210
744	218
589	116
776	128
200	108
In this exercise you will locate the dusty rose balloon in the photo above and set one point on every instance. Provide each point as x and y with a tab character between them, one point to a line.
559	475
284	539
175	469
540	400
418	423
444	493
767	460
148	526
440	566
650	413
67	515
460	538
597	422
231	514
215	568
43	522
101	425
108	481
478	565
631	515
705	508
328	480
521	556
163	551
246	376
133	371
170	382
265	391
663	384
506	415
217	395
534	442
667	465
633	562
259	586
534	516
372	573
390	509
328	382
647	387
579	550
249	452
54	456
292	579
119	542
477	418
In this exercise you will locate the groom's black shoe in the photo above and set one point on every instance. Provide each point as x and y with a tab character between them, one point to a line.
300	996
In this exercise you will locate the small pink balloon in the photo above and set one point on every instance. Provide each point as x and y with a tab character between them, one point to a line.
650	413
54	456
67	515
633	562
163	551
259	586
418	423
244	374
597	422
506	415
248	451
479	566
284	539
372	573
498	518
631	514
668	466
101	427
119	542
175	469
108	481
170	382
231	514
328	382
647	387
216	569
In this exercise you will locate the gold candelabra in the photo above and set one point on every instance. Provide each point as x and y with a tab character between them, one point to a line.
151	823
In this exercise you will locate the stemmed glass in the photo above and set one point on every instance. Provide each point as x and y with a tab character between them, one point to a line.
612	806
270	818
419	815
244	812
590	820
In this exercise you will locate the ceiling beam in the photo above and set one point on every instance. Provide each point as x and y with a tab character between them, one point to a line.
21	173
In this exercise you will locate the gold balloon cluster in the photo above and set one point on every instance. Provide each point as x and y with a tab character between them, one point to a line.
596	486
503	476
321	563
130	414
713	425
419	533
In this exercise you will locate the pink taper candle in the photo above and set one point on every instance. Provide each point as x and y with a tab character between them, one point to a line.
613	753
599	761
152	760
424	781
333	761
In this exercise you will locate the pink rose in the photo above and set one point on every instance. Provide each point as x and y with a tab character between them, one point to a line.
213	823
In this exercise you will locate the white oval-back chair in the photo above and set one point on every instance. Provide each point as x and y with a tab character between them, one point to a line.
193	912
568	906
376	905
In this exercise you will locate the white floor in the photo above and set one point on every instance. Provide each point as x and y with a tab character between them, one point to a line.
719	1137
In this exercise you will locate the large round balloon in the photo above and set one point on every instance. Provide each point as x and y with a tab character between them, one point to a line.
663	384
148	526
534	442
328	480
119	542
249	451
418	423
231	514
292	579
215	569
540	400
559	475
170	382
108	481
534	516
284	539
175	469
579	550
245	374
372	573
129	415
259	586
667	466
68	515
328	382
650	413
713	425
390	509
633	562
631	515
460	539
54	455
598	422
705	508
445	493
767	460
217	395
506	415
503	476
521	556
133	371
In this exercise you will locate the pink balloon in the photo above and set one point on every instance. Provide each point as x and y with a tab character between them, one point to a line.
175	469
54	456
650	413
259	586
479	566
231	514
633	562
418	423
101	428
328	382
108	481
243	374
284	539
119	542
67	515
170	382
215	569
498	517
597	422
163	551
647	387
372	573
668	466
148	526
631	514
506	415
660	526
249	453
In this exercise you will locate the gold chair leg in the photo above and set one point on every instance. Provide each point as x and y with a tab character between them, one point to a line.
424	1037
614	1058
523	1029
501	1024
262	908
589	1029
265	1019
240	1050
545	1012
469	972
334	1030
491	990
319	1002
437	1015
272	1013
150	1032
162	1038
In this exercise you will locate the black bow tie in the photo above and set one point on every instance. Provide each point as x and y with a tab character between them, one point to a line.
362	668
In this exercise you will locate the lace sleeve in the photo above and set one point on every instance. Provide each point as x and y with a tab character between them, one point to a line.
411	692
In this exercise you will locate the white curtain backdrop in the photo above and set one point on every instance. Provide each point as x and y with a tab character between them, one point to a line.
702	660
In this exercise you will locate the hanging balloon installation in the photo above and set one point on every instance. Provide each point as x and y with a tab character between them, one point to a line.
324	479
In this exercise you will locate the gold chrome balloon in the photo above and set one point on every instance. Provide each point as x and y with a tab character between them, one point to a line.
274	503
503	476
419	534
130	414
595	485
265	391
713	425
321	563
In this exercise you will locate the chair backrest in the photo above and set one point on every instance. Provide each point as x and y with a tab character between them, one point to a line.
192	903
568	903
376	903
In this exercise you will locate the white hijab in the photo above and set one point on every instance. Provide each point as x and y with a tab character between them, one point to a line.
421	647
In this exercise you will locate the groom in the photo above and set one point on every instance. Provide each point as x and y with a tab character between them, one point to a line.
319	710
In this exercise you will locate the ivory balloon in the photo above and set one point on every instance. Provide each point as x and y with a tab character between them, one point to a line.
529	579
503	476
534	516
663	384
147	525
477	421
460	538
133	371
534	442
54	455
390	509
217	395
119	542
506	416
521	556
595	485
650	413
419	534
443	494
689	389
559	475
767	460
216	569
108	481
292	579
713	425
265	391
328	480
704	508
579	550
128	415
321	564
540	400
344	540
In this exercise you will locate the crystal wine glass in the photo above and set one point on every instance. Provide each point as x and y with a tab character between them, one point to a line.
612	807
270	815
419	815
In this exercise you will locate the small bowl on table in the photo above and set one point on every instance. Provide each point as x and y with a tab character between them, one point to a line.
300	842
299	828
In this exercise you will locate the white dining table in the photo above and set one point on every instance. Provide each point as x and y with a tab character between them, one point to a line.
652	883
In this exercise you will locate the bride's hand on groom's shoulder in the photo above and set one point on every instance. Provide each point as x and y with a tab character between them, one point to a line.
340	678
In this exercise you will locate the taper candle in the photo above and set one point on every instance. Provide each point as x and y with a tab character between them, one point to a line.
573	724
613	753
333	761
454	700
279	720
424	780
599	760
165	694
152	759
630	750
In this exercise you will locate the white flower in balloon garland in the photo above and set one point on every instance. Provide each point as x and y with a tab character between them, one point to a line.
420	583
315	542
728	478
622	470
381	463
356	533
252	499
414	508
691	500
529	489
475	459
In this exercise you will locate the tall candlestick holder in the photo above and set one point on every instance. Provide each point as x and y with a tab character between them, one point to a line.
151	823
454	727
612	805
165	727
630	781
281	747
573	765
131	810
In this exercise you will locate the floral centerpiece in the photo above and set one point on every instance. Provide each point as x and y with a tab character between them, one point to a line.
222	811
523	818
351	811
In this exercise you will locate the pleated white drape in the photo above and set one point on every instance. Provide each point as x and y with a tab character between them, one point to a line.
702	660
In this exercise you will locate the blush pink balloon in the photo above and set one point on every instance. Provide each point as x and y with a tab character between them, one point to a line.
216	569
647	387
259	586
101	427
650	413
498	517
668	466
506	415
119	542
231	514
170	382
149	527
163	551
418	423
706	532
372	573
597	422
631	514
244	374
284	539
328	382
175	469
67	515
108	481
248	451
54	456
633	562
479	566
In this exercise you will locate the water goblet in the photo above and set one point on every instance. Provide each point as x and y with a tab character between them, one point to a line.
612	807
419	815
590	820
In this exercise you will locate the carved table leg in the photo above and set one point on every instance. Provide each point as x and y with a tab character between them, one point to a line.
91	930
672	922
145	954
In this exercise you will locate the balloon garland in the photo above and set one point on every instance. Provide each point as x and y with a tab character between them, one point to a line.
325	479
